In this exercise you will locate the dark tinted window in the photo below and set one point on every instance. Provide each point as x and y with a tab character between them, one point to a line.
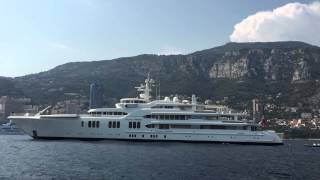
138	124
134	124
130	124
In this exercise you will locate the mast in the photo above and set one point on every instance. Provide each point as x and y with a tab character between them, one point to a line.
146	89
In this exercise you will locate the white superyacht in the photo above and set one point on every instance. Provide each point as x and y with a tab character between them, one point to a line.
144	119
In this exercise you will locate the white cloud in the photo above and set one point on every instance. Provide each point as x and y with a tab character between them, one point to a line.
291	22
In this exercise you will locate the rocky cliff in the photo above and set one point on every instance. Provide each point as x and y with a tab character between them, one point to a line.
286	73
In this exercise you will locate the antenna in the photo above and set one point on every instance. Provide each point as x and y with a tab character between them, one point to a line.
159	90
146	89
156	92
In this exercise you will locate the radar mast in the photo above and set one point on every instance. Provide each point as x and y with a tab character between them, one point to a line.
146	89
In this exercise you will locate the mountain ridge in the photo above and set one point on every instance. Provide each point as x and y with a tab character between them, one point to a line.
238	71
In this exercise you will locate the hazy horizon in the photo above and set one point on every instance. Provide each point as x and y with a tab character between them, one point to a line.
39	35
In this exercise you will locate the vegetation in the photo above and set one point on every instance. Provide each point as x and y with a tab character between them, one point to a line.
189	74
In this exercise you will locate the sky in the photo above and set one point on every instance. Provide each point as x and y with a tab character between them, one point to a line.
37	35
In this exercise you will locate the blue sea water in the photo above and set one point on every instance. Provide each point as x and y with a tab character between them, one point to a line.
21	157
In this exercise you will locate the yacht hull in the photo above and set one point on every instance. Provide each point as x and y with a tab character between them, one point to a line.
71	128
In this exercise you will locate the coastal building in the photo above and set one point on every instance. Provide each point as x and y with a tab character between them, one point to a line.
257	110
9	105
71	106
96	96
305	115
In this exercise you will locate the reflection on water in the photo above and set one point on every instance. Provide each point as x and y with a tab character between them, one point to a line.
23	157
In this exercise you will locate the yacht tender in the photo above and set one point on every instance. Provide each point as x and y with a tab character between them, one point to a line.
143	119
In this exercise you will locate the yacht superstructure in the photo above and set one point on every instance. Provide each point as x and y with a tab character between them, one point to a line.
144	119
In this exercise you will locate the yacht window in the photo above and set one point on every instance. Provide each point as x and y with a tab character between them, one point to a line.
150	126
130	124
82	123
196	117
161	116
99	113
89	124
253	128
134	125
104	113
110	124
98	124
211	118
171	117
113	124
166	117
180	126
118	124
212	127
164	126
93	124
138	124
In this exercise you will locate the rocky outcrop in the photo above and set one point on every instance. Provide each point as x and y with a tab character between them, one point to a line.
267	64
236	70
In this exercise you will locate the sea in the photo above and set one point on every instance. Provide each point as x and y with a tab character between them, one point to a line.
22	157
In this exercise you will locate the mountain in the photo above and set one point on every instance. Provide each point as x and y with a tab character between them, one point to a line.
282	73
7	87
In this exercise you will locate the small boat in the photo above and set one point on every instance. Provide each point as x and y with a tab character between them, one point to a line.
312	145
